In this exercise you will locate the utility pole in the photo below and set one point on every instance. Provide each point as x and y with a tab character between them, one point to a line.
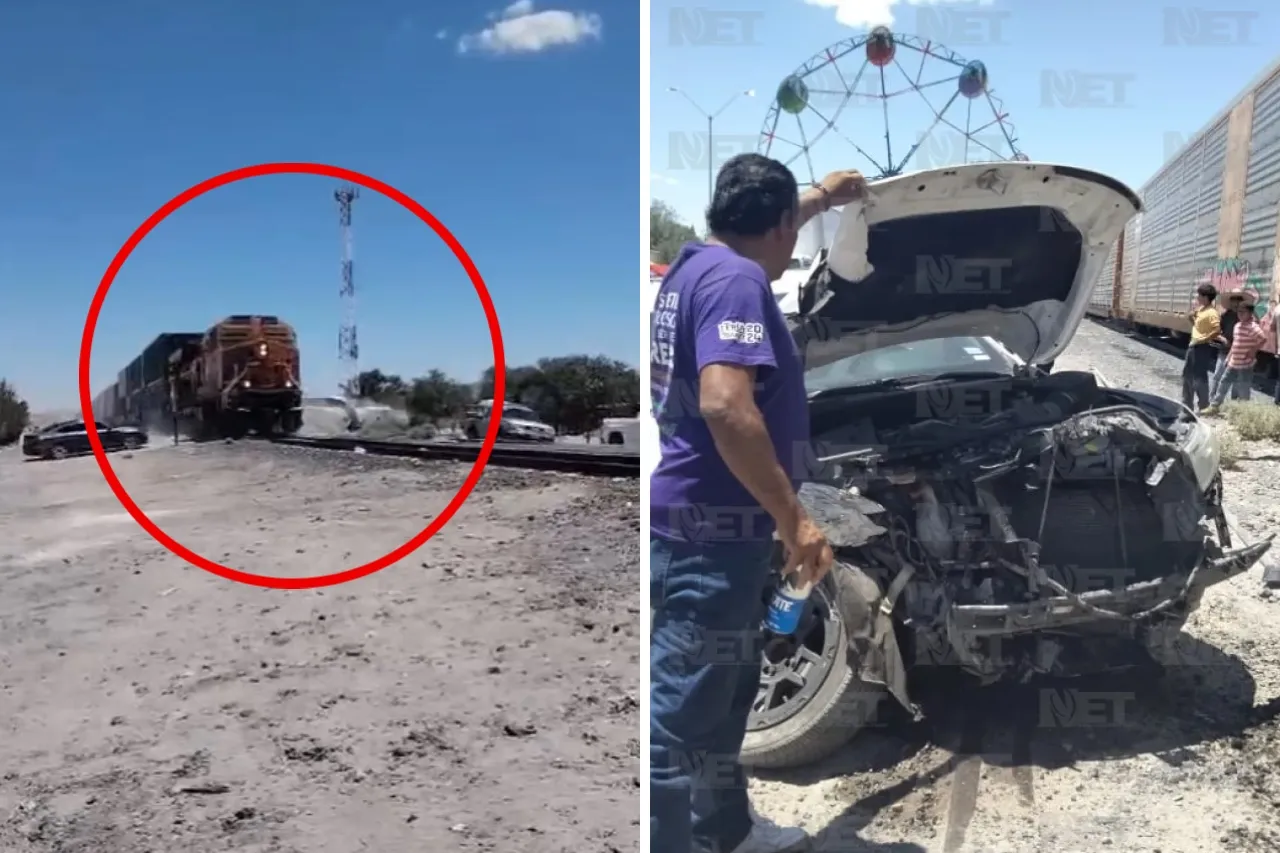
711	118
348	346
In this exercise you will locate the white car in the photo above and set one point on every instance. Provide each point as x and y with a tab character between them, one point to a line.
621	432
519	423
986	514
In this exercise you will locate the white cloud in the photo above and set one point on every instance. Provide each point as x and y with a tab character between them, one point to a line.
442	35
870	13
660	178
519	29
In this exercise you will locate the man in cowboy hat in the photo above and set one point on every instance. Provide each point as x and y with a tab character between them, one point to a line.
1247	339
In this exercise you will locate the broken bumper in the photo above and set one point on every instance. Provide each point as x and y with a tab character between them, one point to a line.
1139	602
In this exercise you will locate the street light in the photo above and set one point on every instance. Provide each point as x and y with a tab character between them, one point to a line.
711	117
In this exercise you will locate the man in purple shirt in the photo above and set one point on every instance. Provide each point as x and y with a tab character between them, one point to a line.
728	395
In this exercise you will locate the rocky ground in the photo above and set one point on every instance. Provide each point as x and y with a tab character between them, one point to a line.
479	695
1187	764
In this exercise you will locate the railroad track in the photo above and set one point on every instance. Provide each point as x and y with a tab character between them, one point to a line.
1262	379
600	460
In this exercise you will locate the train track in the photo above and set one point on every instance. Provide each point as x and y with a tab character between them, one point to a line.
599	461
1264	378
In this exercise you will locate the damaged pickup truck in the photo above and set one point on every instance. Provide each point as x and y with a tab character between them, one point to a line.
985	513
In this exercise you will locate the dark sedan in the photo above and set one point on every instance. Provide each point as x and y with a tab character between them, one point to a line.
71	438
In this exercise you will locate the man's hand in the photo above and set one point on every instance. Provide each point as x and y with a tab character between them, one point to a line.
844	186
808	552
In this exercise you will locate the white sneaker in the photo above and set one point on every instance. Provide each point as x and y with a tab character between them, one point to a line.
767	837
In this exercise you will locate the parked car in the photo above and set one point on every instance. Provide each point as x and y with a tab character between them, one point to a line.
985	513
69	438
519	423
621	432
620	426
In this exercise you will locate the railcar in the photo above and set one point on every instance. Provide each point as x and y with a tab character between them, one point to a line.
241	375
1210	215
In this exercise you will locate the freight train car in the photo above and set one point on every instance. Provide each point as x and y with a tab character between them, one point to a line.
240	375
1210	215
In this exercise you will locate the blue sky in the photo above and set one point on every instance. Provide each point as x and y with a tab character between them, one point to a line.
1114	86
528	155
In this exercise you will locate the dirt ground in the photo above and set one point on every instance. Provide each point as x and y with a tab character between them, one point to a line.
479	695
1184	764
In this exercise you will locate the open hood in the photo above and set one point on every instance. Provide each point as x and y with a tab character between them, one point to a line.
1009	251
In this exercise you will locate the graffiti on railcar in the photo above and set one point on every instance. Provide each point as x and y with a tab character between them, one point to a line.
1237	275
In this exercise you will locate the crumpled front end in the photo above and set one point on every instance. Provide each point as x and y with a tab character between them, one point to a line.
1047	553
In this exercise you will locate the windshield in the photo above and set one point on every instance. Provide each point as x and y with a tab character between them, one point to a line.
917	358
521	413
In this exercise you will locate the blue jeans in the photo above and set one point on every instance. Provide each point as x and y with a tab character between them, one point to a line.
1237	380
1218	372
705	654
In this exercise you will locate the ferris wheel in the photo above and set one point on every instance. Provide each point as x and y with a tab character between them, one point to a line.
846	90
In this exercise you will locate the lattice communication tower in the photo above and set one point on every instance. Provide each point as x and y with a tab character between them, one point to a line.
348	347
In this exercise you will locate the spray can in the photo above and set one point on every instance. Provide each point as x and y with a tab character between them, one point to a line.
787	606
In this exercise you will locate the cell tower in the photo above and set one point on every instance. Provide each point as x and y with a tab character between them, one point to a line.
348	347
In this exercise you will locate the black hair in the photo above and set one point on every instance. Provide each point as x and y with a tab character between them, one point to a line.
1208	291
753	196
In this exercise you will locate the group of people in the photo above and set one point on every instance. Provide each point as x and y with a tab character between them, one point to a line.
1224	349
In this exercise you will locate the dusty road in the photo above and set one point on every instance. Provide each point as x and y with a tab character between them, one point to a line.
1186	764
480	695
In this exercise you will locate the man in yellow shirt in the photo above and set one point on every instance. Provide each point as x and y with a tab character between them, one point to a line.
1202	355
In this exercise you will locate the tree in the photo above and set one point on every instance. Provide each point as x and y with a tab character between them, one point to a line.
666	232
517	378
14	414
377	386
435	397
571	393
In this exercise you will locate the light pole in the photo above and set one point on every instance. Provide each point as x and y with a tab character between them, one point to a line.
711	117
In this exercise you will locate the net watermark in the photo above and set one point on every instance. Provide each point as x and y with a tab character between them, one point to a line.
1190	26
948	275
1073	709
1072	89
960	25
937	149
830	90
701	151
699	26
1174	142
941	402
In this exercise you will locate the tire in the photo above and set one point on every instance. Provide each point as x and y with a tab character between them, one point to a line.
57	451
131	442
838	709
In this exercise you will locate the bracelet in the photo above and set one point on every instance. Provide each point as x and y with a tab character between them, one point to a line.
826	197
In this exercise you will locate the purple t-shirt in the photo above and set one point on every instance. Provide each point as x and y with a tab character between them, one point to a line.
717	307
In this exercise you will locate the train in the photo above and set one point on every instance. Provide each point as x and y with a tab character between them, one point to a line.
241	375
1210	215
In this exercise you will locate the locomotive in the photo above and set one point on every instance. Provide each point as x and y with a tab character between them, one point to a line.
241	375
